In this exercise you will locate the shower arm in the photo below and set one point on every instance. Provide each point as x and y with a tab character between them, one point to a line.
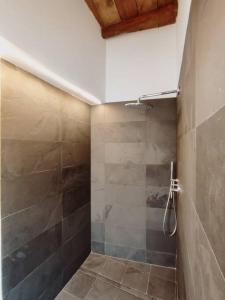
149	96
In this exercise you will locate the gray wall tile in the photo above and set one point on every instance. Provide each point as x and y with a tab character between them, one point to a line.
45	185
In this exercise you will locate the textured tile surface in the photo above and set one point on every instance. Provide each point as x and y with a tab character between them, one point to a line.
131	152
201	156
106	278
45	185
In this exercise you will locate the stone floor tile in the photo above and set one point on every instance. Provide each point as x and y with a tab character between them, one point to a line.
113	269
94	262
80	284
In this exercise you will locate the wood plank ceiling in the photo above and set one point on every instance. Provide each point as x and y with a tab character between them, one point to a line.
122	16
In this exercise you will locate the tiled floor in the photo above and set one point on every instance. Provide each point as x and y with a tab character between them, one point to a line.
105	278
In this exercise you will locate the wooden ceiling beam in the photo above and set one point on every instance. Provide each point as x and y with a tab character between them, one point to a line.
127	8
156	18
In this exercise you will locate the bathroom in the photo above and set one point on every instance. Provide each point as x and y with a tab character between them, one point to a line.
112	149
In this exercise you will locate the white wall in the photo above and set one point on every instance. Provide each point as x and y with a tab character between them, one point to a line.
140	63
181	24
62	35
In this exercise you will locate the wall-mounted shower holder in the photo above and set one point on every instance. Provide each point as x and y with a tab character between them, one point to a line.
175	185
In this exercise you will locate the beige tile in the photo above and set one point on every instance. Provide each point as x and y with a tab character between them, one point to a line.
26	157
80	284
66	296
136	276
73	108
98	175
125	132
164	273
125	195
75	154
113	269
210	48
97	114
161	288
210	178
94	262
97	152
123	295
74	131
118	112
101	291
124	153
130	174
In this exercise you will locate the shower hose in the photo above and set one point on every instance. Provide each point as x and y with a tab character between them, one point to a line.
171	198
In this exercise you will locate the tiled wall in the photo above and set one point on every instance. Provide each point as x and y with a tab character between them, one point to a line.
131	152
201	159
45	185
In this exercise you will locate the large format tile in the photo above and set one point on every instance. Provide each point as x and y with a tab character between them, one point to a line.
113	269
66	296
118	112
161	142
75	222
125	195
161	288
101	291
24	260
74	154
210	181
130	132
124	153
210	47
158	175
126	252
30	223
136	276
130	174
130	217
95	263
125	236
26	157
80	284
24	191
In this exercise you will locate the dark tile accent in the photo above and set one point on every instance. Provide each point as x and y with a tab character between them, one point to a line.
53	289
98	247
76	222
74	177
161	258
25	259
21	192
157	241
158	175
73	248
125	252
30	223
74	199
210	188
38	281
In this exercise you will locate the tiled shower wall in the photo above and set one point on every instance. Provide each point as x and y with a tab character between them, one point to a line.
201	159
131	150
45	206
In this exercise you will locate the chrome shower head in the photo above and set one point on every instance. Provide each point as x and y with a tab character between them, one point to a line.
139	104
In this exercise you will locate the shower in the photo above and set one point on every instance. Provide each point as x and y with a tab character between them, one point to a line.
140	104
